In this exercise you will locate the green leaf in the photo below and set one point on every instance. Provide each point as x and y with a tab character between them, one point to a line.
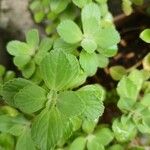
70	104
17	48
39	16
7	142
25	141
81	3
69	31
102	61
32	38
48	129
146	62
88	126
126	104
90	21
78	144
108	36
12	125
104	136
127	7
146	100
117	72
92	96
137	77
59	44
127	89
2	70
94	144
30	99
9	75
108	52
28	70
21	61
59	69
124	129
58	6
46	44
12	87
89	62
116	147
86	16
145	35
98	90
44	47
89	45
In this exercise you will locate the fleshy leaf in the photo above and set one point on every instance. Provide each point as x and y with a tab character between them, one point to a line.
78	144
70	104
127	89
25	141
92	95
108	36
89	62
32	38
58	6
29	69
145	35
48	129
117	72
17	48
81	3
69	31
59	69
104	136
12	87
30	99
21	61
89	45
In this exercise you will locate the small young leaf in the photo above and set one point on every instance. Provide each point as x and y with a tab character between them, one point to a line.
103	61
29	69
127	7
145	35
58	6
94	144
17	48
116	147
78	144
124	130
89	45
32	38
59	69
89	62
39	16
108	36
127	89
21	61
146	62
81	3
59	44
69	31
2	70
45	44
117	72
30	99
104	136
